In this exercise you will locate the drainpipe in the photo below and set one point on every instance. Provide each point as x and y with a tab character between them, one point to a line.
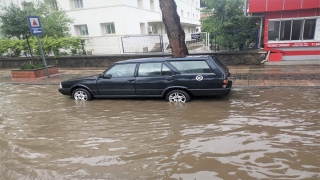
267	58
245	13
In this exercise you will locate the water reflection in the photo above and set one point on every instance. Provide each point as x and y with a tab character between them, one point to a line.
251	134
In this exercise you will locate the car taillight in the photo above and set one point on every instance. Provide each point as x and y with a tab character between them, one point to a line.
225	83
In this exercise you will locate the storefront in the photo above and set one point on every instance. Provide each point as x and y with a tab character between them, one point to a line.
291	28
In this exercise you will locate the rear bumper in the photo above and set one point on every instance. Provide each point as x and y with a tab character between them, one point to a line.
65	91
212	92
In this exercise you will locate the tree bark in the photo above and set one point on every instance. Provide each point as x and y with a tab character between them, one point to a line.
175	32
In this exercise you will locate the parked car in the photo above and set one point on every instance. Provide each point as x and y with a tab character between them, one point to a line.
175	79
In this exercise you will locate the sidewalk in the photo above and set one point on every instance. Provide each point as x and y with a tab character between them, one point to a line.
276	76
242	76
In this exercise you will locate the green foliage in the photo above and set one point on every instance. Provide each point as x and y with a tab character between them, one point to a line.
30	66
11	48
55	22
51	46
226	16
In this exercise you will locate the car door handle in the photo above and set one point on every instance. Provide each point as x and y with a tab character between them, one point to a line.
170	78
130	80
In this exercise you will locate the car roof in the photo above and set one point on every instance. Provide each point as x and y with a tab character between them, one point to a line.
161	59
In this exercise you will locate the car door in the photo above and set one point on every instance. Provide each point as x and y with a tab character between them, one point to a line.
118	80
196	75
152	78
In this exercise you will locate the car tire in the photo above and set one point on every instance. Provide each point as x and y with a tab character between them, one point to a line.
81	94
178	96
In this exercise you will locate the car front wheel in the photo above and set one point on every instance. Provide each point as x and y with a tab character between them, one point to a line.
178	96
81	94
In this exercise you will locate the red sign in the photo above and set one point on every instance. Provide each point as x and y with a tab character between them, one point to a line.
297	44
34	23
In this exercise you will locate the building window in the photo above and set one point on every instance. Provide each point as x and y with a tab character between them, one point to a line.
291	30
152	5
109	28
188	15
52	4
78	3
82	30
140	4
182	13
26	5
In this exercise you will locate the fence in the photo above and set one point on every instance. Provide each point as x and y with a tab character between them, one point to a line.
196	43
232	40
142	44
104	45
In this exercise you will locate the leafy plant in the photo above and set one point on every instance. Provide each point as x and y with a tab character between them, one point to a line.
227	22
14	24
31	66
51	46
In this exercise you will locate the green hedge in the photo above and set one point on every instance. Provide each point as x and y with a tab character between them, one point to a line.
51	45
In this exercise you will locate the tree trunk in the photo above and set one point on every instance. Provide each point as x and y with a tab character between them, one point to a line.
29	47
175	32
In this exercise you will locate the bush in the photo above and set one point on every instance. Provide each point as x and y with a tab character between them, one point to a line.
31	66
51	45
11	47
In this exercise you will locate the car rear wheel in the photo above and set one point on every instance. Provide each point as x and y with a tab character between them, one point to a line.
81	94
178	96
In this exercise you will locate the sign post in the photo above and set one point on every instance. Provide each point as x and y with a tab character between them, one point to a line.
36	29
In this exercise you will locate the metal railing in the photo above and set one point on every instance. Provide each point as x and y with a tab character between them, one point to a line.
234	40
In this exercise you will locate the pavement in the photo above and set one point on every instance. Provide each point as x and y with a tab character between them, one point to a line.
253	76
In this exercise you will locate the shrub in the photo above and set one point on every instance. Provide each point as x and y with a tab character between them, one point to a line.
31	66
51	45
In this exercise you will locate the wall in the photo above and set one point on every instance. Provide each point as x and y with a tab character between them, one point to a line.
229	58
288	14
281	5
126	15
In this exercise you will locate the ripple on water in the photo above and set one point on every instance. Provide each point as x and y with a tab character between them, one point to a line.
250	134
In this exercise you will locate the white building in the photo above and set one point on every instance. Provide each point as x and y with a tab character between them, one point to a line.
95	18
103	22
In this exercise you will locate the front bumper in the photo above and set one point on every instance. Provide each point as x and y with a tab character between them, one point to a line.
65	91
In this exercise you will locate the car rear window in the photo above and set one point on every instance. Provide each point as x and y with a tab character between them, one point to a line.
220	63
190	67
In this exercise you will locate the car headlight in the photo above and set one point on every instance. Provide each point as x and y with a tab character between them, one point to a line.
60	85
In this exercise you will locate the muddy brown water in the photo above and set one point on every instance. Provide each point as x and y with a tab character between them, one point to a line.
250	134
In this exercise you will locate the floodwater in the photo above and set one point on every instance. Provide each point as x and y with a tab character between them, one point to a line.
250	134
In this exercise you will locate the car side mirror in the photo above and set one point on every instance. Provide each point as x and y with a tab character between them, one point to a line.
107	76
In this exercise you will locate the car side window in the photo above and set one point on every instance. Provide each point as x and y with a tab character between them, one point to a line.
149	69
192	67
166	71
122	70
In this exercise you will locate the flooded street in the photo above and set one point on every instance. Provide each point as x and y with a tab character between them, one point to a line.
250	134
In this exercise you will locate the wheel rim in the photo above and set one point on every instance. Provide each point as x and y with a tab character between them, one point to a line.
80	95
177	97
